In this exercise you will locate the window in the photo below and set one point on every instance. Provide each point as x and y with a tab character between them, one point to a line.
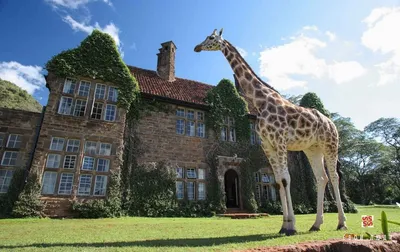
103	165
110	112
201	173
189	125
84	88
73	145
180	126
66	182
69	162
179	172
264	186
112	94
254	137
9	158
69	86
88	163
49	182
65	107
53	161
105	149
265	178
97	110
57	144
90	148
190	190
191	173
179	189
180	112
200	130
100	92
1	139
80	107
190	128
228	132
5	180
100	186
201	191
14	141
85	182
257	177
258	192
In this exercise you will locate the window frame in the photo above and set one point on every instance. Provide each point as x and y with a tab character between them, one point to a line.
65	82
188	122
58	139
105	187
17	141
90	185
11	158
78	141
43	182
60	183
114	115
86	93
6	179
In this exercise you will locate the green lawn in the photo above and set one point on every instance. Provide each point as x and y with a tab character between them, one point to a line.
172	234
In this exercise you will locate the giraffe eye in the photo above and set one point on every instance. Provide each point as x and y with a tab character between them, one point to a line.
212	37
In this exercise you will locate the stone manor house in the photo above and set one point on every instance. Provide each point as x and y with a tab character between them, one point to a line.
75	140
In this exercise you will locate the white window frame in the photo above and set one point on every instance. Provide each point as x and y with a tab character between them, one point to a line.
180	194
16	142
105	149
201	194
63	110
11	158
115	94
104	186
201	131
85	192
179	172
83	163
71	83
6	180
78	108
56	141
90	150
114	116
95	114
191	173
70	175
74	157
180	127
71	143
191	191
84	92
107	164
53	161
201	173
46	180
104	94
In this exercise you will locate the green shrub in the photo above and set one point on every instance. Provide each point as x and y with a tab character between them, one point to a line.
271	207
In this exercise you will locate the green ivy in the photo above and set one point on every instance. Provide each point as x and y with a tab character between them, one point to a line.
224	100
97	57
8	200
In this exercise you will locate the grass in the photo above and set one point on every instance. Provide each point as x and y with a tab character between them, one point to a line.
173	234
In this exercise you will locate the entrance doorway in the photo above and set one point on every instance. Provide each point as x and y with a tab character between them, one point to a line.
232	189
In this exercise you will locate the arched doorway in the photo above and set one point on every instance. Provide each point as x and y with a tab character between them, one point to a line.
231	188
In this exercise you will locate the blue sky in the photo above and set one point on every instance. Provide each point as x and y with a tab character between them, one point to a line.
348	52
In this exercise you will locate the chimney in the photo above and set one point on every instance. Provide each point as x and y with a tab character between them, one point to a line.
166	61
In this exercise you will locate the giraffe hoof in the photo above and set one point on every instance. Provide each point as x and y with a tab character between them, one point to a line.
341	227
290	232
314	228
283	231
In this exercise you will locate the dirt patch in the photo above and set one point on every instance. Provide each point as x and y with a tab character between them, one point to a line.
337	245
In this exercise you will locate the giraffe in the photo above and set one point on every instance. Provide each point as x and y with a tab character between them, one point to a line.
284	126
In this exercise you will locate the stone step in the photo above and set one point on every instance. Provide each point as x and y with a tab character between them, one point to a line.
243	215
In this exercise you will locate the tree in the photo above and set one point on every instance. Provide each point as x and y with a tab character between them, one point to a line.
13	97
311	100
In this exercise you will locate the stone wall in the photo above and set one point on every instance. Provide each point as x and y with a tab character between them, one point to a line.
25	124
82	128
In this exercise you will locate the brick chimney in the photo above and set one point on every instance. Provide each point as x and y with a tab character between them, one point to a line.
166	61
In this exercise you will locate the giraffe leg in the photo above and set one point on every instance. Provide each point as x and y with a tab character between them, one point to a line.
290	220
273	160
331	162
315	157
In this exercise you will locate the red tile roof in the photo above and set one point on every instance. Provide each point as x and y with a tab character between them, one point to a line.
183	90
180	89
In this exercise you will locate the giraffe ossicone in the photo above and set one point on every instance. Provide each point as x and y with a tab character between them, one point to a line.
284	126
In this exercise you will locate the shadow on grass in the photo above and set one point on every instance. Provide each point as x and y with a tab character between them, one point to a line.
194	242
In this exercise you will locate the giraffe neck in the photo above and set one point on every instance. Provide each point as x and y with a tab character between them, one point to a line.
248	80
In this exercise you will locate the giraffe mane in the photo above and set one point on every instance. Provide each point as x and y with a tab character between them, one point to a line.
248	66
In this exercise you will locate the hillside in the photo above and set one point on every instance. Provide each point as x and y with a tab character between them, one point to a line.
12	96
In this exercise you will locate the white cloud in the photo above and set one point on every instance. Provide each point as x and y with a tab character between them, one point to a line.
310	27
111	28
342	72
28	78
242	51
133	46
331	35
298	58
73	4
382	36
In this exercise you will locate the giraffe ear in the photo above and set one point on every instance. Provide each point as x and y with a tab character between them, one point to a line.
220	32
215	32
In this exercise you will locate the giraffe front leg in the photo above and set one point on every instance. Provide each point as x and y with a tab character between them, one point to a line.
291	219
282	196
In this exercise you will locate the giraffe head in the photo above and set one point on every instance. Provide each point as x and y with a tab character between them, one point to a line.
214	42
